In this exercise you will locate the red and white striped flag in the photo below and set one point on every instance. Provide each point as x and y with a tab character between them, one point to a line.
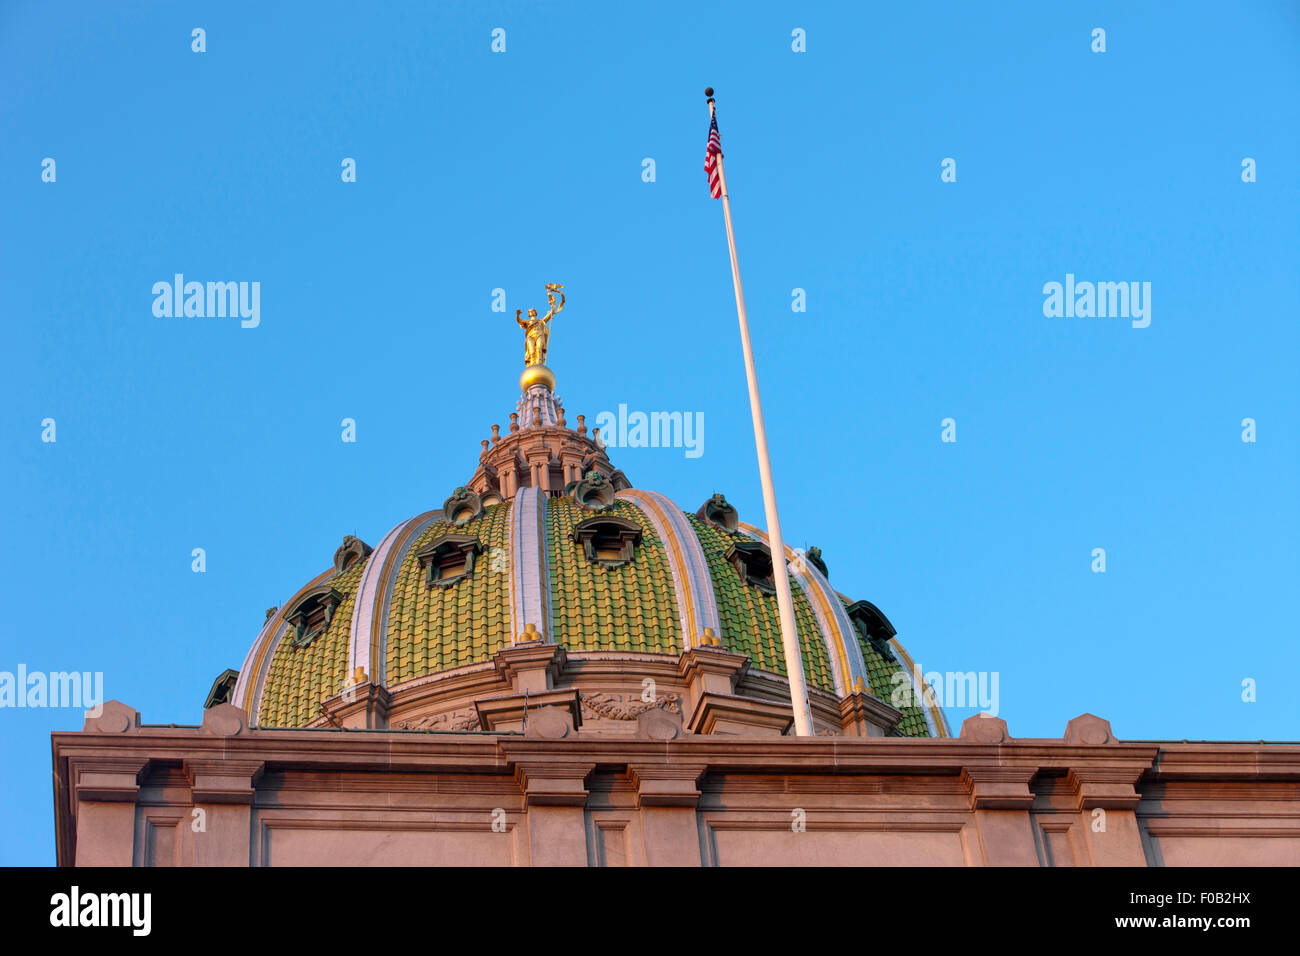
710	158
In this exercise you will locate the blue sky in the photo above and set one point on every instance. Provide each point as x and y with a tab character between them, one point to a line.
479	170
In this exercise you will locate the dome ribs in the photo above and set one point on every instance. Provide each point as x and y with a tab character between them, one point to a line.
438	628
609	608
749	617
881	672
628	608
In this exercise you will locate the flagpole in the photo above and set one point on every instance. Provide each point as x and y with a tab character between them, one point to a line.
780	574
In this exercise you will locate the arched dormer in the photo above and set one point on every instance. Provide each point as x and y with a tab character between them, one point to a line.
872	624
311	614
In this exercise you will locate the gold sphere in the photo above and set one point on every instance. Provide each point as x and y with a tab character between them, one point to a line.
536	375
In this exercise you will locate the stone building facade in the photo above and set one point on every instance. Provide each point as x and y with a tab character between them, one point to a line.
557	668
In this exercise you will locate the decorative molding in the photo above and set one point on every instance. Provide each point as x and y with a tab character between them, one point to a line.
349	552
224	720
513	712
984	729
114	717
862	715
1089	729
628	706
108	779
223	779
360	706
465	719
462	507
718	512
999	788
739	716
593	492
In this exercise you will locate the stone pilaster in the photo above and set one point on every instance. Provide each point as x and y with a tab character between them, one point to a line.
555	794
711	676
862	715
1107	803
223	790
667	796
530	666
1001	799
106	790
362	706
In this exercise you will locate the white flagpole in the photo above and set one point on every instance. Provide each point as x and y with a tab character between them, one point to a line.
780	573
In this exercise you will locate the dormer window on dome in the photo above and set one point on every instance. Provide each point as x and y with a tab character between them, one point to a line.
872	624
462	507
311	614
753	562
608	541
719	513
352	550
448	559
222	688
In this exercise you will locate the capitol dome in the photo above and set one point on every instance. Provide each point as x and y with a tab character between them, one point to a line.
548	580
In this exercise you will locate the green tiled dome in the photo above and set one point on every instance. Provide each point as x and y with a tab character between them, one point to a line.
415	629
548	543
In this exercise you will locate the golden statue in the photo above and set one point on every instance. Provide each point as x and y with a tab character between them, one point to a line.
537	331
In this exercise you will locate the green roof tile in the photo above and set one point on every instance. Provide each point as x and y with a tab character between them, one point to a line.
750	619
433	628
301	677
599	608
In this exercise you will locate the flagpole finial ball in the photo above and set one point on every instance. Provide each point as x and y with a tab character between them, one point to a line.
708	91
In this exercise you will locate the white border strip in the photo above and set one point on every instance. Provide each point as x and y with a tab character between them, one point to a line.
692	583
529	576
363	616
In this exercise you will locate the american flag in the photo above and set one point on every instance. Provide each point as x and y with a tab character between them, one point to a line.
710	160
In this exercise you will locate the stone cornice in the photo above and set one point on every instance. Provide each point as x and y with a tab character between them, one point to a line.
665	784
218	779
1111	788
110	777
554	783
223	763
128	754
1225	759
1000	787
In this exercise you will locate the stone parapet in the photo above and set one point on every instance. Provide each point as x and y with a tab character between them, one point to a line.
126	793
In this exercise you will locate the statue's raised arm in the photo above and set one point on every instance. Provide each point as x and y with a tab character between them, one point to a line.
537	329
